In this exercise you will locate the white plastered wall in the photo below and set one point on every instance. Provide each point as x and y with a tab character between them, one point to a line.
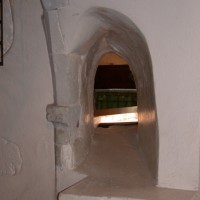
27	166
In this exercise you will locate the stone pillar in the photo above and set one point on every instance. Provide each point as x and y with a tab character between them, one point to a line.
64	113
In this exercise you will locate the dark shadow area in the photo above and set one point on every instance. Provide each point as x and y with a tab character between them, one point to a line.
114	89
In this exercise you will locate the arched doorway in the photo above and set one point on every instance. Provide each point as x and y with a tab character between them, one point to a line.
73	79
114	158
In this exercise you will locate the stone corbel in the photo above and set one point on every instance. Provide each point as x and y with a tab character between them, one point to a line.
63	115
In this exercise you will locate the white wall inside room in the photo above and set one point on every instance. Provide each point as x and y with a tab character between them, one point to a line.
172	31
26	138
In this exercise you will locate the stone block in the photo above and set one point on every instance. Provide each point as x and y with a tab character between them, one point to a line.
68	116
10	158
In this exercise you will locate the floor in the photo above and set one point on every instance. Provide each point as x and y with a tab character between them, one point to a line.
116	170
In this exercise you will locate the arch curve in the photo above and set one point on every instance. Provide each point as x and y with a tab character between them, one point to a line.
99	31
117	34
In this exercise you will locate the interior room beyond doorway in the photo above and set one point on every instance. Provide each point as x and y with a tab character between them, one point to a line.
115	94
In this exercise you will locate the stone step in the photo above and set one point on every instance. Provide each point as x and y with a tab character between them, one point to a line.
144	195
91	189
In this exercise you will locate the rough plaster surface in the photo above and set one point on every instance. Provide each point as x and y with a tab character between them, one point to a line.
25	90
171	29
8	31
10	158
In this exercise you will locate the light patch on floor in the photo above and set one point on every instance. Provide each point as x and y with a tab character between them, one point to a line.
116	115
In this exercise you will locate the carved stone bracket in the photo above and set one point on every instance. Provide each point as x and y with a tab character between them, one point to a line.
66	116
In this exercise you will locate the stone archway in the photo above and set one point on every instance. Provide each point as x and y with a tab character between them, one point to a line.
73	73
130	45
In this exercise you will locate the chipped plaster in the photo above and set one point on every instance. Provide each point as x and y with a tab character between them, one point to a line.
10	158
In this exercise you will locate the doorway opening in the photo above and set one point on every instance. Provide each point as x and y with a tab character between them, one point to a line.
114	163
115	94
72	113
